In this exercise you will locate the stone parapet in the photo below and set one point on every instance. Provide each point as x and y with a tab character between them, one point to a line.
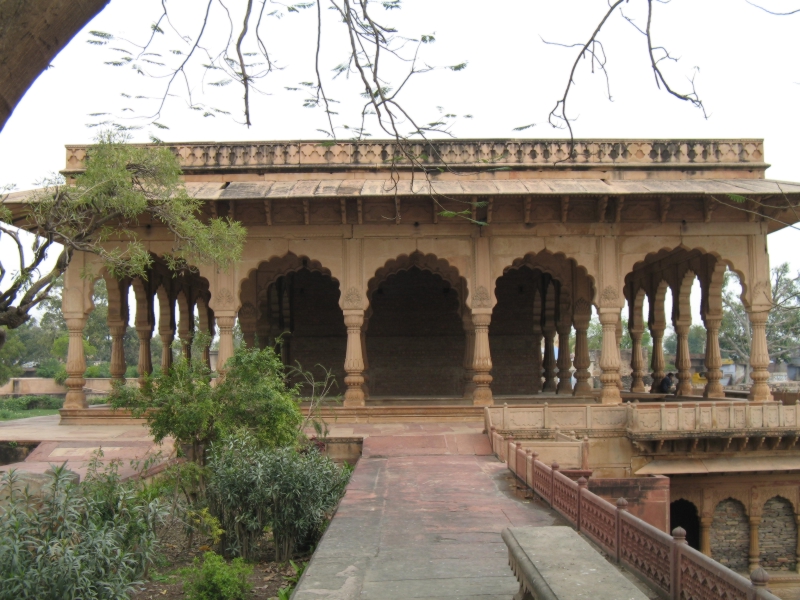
485	154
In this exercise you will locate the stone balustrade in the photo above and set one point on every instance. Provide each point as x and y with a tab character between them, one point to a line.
478	154
665	562
685	419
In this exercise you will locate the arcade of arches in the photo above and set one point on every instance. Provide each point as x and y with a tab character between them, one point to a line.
400	302
421	337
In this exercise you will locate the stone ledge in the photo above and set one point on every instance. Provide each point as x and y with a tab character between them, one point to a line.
556	563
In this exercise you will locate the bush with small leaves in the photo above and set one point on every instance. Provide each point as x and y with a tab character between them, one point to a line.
214	579
292	493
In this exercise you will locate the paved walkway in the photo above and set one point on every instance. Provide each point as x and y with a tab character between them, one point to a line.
75	444
422	518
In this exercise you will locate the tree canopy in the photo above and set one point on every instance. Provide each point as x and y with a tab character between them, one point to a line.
121	186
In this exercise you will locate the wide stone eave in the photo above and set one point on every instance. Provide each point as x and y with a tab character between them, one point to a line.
730	464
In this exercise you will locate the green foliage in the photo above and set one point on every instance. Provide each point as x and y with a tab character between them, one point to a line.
61	347
99	370
11	357
292	493
697	341
92	540
31	403
183	404
122	183
49	368
214	579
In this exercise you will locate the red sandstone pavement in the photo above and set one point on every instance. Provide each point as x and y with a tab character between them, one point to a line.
422	518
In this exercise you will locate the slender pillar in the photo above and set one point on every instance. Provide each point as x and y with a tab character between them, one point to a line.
683	360
482	360
657	361
186	325
365	359
797	551
210	331
145	366
354	361
582	361
759	356
76	364
705	535
564	359
713	360
537	342
166	331
469	354
754	556
117	366
225	325
618	333
637	364
609	358
549	331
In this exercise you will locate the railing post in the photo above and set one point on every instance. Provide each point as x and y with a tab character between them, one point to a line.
678	538
759	579
622	506
581	486
492	440
553	468
529	468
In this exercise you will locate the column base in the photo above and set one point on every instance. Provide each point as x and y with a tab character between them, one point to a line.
582	388
482	397
610	395
760	392
353	398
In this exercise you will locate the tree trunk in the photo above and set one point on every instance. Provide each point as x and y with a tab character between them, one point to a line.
31	34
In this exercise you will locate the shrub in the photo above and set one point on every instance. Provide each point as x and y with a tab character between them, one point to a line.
92	540
183	404
31	403
49	368
214	579
99	370
292	493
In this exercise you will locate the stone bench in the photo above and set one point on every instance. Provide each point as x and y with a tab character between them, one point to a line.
555	563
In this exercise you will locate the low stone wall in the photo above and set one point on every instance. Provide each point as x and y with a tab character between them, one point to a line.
730	535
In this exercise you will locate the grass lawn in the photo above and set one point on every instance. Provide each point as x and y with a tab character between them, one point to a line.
10	415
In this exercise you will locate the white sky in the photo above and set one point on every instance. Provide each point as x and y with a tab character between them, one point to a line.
748	80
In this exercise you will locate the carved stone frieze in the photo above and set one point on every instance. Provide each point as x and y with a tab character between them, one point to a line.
353	299
482	299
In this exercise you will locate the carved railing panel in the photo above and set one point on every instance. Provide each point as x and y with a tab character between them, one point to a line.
701	578
565	496
646	550
541	479
599	521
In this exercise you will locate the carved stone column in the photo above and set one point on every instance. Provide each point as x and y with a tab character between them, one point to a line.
549	360
469	354
564	359
537	343
797	551
118	365
354	361
166	331
657	361
145	335
482	359
618	332
186	326
365	359
759	356
637	364
76	364
582	360
609	358
683	360
705	535
713	360
210	331
754	555
225	325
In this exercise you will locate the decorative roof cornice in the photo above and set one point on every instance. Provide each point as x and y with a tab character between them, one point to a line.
459	155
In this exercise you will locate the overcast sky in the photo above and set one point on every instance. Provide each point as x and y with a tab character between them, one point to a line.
744	62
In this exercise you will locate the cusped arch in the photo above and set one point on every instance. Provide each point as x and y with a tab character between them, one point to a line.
559	266
424	262
270	270
758	506
631	265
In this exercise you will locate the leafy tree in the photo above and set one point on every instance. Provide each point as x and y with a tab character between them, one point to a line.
11	357
783	324
121	185
697	340
183	404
